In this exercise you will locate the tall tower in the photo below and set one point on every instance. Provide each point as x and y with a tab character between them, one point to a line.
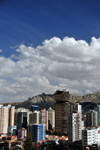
98	113
91	118
11	115
6	117
62	109
75	124
75	127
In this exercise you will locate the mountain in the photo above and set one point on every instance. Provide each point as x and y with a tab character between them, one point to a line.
43	101
88	101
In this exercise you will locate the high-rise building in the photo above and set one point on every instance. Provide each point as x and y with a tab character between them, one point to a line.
88	119
98	113
44	118
21	119
12	115
74	127
91	118
51	118
6	117
95	120
37	132
34	117
62	109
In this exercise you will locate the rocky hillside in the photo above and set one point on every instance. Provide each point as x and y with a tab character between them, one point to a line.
93	97
47	100
42	100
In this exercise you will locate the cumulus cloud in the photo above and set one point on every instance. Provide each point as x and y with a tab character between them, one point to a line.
56	64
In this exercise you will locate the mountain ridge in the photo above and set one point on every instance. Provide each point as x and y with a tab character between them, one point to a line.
47	100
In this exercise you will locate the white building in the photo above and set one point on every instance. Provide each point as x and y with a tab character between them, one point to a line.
82	124
75	124
51	118
90	136
78	108
74	127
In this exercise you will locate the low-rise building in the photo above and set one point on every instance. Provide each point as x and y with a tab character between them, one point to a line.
91	136
22	133
12	130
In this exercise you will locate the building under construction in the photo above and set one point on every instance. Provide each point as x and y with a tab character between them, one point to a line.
62	109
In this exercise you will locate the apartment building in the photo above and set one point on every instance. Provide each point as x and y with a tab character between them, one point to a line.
6	117
74	127
91	136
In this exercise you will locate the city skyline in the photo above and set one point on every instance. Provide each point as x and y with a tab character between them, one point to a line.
48	45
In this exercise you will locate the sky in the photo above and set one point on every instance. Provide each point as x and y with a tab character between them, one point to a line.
48	45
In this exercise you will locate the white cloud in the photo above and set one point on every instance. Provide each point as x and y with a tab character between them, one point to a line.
0	50
56	64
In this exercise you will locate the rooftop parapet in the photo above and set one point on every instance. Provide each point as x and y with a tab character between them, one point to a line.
62	96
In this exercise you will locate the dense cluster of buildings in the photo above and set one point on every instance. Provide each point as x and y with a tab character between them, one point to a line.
23	122
80	127
64	118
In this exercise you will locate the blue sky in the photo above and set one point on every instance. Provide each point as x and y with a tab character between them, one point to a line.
36	25
34	21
